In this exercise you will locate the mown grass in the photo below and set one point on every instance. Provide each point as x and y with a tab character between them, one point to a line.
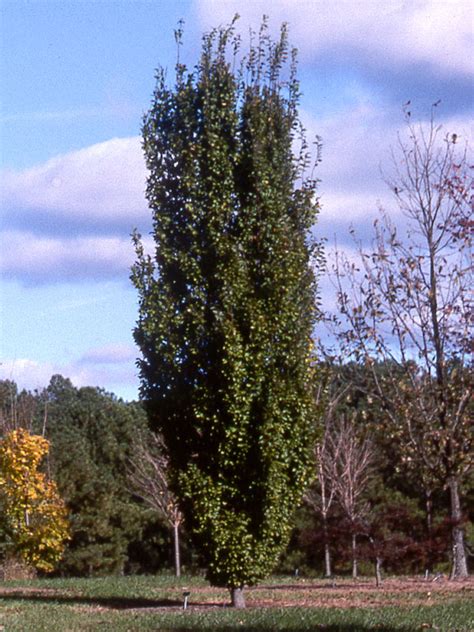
155	603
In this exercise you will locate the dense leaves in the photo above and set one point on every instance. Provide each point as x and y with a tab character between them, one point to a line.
91	435
227	304
33	514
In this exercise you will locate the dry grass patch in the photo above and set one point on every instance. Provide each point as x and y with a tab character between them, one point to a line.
362	593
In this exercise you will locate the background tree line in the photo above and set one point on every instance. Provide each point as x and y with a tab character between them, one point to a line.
94	439
365	506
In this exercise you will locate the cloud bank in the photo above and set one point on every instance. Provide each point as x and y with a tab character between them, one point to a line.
96	189
70	218
112	365
37	259
429	33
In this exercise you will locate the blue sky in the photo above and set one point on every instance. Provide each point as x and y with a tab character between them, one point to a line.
76	77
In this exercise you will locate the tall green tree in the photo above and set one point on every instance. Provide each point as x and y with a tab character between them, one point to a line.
227	302
91	434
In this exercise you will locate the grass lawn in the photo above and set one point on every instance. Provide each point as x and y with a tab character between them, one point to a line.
155	603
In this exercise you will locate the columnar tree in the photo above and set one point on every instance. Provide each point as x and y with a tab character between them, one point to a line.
227	302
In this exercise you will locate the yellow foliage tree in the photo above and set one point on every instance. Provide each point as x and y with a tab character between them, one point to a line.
34	515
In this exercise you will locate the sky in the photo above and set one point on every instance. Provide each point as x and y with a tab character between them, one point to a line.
76	77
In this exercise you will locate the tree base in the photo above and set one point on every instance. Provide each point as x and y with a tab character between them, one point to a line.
237	597
14	568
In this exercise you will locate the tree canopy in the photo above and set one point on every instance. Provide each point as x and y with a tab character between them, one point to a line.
33	515
227	303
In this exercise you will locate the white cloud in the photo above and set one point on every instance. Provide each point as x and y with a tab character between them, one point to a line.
356	142
120	378
27	373
36	259
96	194
101	186
327	284
342	211
438	33
114	353
356	158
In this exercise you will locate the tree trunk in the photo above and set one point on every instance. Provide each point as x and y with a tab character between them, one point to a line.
459	568
327	552
324	513
378	571
354	556
238	597
429	528
177	556
327	560
429	512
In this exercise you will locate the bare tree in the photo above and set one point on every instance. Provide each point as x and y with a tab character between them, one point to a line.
320	497
351	473
148	479
408	303
17	409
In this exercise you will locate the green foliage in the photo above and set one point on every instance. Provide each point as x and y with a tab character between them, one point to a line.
91	433
227	304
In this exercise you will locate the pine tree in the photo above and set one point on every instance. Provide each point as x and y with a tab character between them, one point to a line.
227	303
91	434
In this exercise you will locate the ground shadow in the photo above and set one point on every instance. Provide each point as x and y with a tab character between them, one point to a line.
114	603
246	627
130	603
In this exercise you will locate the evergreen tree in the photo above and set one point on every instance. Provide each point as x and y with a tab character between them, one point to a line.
227	304
91	434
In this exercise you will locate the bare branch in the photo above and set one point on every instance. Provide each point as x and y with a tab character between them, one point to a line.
149	480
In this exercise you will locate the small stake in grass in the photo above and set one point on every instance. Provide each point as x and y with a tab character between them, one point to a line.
186	594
